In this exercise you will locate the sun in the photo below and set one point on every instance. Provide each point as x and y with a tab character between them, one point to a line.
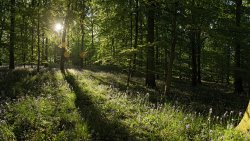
58	27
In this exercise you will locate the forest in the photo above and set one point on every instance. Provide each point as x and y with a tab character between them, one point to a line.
125	70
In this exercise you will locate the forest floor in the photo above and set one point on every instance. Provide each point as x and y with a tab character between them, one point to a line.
94	104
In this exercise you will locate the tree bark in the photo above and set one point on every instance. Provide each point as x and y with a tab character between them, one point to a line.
82	46
38	42
12	35
1	33
64	34
237	78
63	48
136	35
199	45
32	46
131	46
150	72
46	49
194	59
42	49
82	30
244	124
157	52
193	49
172	51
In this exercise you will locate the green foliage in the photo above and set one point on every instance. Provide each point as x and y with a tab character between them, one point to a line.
94	106
42	114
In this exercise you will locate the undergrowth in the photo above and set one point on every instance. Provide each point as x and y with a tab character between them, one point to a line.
89	105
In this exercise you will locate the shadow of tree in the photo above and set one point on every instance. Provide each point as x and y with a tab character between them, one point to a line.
17	83
197	99
206	96
103	128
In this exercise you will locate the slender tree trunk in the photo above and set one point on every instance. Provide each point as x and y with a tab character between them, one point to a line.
46	49
193	49
38	42
140	56
55	53
32	46
92	33
131	45
150	72
157	52
82	30
228	51
12	35
165	62
194	59
64	34
136	36
172	51
1	35
237	78
199	45
22	42
82	46
42	49
63	49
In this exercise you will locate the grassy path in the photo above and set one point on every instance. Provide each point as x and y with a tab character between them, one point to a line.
86	105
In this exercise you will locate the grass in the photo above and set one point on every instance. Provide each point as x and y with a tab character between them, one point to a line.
42	109
95	105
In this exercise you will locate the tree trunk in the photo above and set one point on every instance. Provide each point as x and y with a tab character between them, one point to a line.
199	45
42	49
244	125
193	49
12	35
194	59
131	45
136	36
237	78
172	52
82	46
32	46
157	52
23	42
150	68
64	34
38	42
228	51
82	30
55	53
63	49
1	35
46	49
140	40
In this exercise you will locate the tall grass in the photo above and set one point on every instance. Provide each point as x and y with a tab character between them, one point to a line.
91	105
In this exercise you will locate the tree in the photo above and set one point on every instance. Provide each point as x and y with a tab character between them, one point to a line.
150	67
12	34
64	34
172	50
82	21
38	39
237	77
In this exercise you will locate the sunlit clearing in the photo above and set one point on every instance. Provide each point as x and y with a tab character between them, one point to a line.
58	27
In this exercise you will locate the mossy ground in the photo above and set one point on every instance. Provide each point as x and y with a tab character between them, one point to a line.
96	105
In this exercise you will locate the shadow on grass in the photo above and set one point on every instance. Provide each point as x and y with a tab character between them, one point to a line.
195	99
11	82
206	96
103	128
135	89
17	83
